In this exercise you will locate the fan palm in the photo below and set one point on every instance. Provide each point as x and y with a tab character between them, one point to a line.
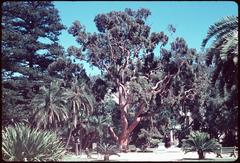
50	106
200	142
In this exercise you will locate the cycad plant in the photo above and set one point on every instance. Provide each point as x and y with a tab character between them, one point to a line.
201	143
21	143
107	150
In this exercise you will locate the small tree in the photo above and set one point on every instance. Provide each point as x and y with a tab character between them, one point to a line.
200	142
107	150
50	106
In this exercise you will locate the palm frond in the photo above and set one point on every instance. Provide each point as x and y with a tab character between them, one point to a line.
221	28
50	104
199	141
230	45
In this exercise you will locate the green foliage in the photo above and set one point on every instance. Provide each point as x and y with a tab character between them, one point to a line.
222	99
200	141
24	25
225	31
107	150
80	100
149	138
30	33
21	143
50	106
224	50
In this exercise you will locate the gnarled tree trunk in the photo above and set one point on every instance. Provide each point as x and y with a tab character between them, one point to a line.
126	128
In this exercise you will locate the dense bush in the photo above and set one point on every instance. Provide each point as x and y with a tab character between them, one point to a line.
21	143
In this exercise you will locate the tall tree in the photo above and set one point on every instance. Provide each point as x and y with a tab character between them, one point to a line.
223	56
30	33
29	37
224	50
123	50
182	103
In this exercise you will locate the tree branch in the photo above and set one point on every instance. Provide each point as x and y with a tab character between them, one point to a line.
166	82
126	62
113	134
109	72
137	119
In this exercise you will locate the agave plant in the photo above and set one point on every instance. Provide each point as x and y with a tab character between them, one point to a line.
21	143
200	142
107	150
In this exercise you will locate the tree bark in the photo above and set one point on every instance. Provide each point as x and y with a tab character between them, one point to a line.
200	154
126	129
106	157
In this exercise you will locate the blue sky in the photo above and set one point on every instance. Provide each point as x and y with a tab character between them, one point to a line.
191	19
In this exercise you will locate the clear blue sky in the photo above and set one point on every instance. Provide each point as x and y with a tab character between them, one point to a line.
191	19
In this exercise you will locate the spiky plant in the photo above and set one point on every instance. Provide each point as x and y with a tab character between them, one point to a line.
21	143
107	150
201	143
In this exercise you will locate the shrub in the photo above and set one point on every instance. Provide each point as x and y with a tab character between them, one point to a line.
21	143
107	150
149	138
200	142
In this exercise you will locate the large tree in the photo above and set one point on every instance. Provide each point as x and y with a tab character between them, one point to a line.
223	53
30	33
222	103
123	49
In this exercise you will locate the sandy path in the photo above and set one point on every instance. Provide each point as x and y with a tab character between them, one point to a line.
171	154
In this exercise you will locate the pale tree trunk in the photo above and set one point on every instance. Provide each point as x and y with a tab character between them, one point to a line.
126	128
123	137
69	137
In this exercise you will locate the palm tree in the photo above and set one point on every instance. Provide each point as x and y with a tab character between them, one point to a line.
200	142
224	49
49	106
81	104
226	33
100	123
